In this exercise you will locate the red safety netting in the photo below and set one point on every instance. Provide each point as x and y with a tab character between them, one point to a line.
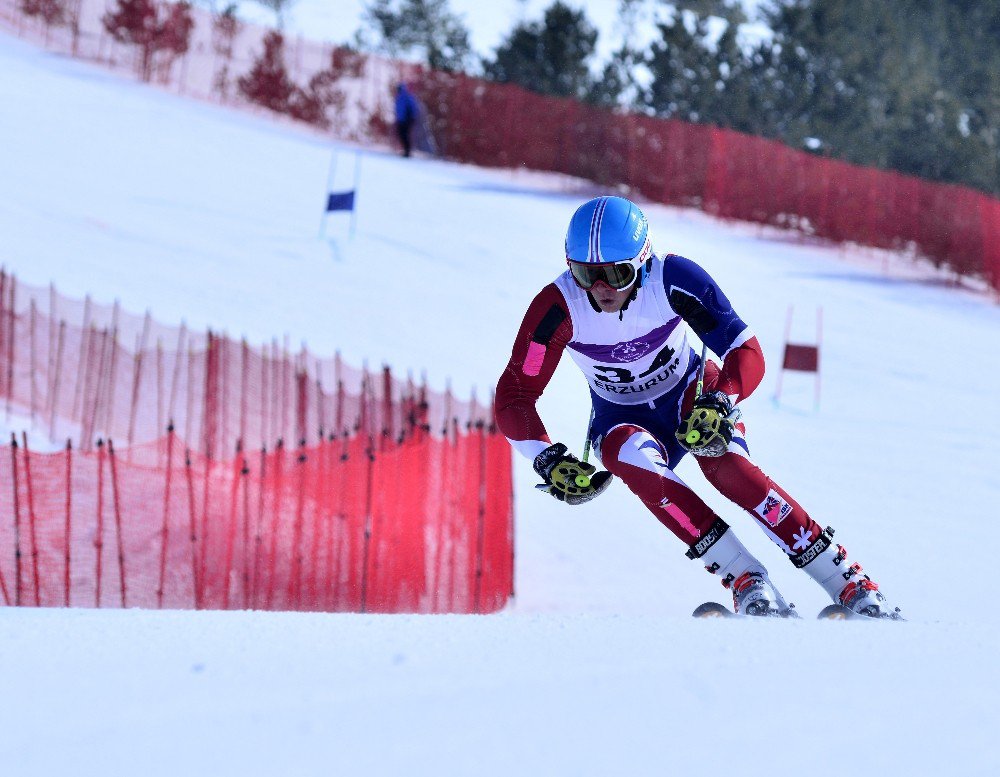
723	172
355	524
94	371
243	477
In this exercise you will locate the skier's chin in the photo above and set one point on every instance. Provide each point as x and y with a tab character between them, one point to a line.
607	299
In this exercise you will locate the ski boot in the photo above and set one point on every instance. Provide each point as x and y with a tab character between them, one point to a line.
753	592
863	597
827	564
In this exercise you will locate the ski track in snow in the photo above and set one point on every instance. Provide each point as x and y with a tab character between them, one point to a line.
212	216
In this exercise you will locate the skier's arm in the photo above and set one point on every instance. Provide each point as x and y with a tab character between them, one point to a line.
696	297
537	348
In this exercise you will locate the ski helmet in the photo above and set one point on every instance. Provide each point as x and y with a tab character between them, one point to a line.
608	239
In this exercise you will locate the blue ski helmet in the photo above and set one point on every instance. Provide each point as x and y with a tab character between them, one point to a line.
606	231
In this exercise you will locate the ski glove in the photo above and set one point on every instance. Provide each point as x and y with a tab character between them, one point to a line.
567	478
708	429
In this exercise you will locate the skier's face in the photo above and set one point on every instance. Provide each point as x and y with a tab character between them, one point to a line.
609	300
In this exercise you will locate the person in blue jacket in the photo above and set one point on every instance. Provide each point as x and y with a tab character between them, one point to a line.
406	114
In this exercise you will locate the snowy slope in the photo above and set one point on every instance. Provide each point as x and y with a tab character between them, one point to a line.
213	216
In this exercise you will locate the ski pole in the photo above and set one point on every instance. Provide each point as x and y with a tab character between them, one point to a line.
694	435
582	481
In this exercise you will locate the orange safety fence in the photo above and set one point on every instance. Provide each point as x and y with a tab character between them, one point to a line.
267	489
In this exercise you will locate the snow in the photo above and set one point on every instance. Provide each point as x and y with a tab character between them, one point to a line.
209	215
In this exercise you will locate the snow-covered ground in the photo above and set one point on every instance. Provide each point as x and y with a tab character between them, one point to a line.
119	190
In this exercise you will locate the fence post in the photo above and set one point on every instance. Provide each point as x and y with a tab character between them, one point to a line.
298	529
11	350
83	389
4	386
17	523
33	536
231	526
244	382
118	522
369	471
279	487
3	581
196	581
54	391
32	365
137	380
258	528
480	518
109	395
165	528
67	579
176	377
245	479
99	537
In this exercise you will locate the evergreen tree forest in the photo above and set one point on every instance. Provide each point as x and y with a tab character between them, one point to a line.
905	85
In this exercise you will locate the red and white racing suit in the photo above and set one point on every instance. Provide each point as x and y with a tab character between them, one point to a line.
642	373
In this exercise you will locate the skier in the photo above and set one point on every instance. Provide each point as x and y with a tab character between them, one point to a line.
621	311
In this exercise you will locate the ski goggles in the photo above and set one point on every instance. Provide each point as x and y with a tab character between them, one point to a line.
617	275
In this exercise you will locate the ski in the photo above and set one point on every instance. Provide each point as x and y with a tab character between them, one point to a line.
832	612
838	612
713	610
716	610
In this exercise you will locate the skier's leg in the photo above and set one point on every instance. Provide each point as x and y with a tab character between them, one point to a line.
808	545
737	478
633	454
637	457
827	563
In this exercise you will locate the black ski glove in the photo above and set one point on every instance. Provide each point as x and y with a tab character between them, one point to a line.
567	478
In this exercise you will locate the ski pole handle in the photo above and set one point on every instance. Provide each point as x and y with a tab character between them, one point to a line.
694	435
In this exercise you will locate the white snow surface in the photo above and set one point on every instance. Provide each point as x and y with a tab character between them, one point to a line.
212	216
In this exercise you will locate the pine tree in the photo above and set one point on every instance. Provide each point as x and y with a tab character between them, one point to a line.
425	28
548	57
686	74
900	84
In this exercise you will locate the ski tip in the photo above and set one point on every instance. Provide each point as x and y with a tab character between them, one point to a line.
836	612
712	610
